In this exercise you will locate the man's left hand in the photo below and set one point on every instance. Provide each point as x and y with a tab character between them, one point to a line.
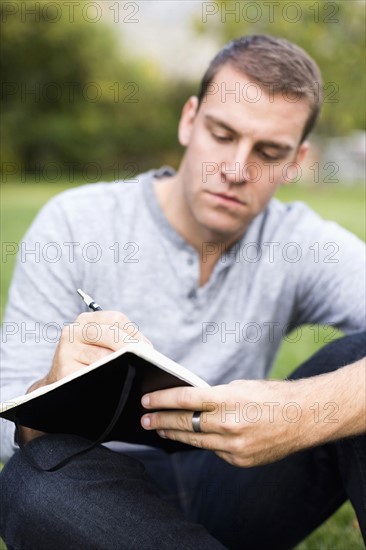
246	422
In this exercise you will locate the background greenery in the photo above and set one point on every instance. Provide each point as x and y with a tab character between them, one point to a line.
93	103
90	102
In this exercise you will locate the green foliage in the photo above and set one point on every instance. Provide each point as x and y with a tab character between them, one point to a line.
333	33
70	96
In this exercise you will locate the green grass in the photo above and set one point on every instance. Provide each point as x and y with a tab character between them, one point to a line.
20	202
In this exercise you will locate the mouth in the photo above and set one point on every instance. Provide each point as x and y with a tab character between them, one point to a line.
227	199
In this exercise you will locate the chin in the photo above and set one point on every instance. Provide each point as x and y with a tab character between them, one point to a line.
222	228
223	233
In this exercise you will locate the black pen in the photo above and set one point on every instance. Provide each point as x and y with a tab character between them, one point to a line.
88	300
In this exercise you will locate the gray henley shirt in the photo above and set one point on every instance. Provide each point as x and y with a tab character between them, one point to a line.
113	240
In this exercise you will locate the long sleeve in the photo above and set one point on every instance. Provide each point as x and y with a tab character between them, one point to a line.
41	297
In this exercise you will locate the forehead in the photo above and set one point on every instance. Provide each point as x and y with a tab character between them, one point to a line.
245	106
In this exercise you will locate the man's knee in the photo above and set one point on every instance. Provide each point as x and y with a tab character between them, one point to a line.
41	509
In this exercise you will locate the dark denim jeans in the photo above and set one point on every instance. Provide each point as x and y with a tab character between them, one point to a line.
193	499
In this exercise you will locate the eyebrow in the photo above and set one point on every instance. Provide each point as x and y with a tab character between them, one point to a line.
274	145
263	143
220	123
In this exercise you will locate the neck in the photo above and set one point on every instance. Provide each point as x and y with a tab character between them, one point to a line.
209	245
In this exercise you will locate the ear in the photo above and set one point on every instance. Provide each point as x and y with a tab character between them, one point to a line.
293	169
187	118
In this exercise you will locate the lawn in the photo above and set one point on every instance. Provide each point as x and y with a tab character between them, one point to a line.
20	202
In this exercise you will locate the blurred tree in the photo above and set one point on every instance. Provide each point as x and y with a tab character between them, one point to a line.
333	33
71	102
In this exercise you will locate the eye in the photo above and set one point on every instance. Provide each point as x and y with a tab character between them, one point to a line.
220	138
269	157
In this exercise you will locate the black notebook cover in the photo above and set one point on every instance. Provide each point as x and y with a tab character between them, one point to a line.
86	404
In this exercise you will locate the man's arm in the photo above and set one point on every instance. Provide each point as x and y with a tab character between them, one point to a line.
74	353
34	319
251	422
330	286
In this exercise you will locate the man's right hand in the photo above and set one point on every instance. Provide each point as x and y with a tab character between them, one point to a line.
91	337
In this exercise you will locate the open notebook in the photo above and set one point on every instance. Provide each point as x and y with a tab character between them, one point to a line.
84	402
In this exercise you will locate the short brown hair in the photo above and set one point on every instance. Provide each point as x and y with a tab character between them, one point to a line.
274	63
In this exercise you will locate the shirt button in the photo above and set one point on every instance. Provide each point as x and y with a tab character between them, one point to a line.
190	261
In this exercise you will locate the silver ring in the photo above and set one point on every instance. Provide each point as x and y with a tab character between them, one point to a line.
196	421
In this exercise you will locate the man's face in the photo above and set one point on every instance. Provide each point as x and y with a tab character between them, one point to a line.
237	153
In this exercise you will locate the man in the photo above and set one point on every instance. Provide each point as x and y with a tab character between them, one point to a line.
187	255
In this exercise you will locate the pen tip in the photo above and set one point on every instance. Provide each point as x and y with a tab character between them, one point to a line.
85	297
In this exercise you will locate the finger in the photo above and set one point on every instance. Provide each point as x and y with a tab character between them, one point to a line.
187	397
211	442
72	358
178	420
172	420
123	330
87	354
104	317
106	336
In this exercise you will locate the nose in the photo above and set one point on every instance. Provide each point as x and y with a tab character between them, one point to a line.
235	169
